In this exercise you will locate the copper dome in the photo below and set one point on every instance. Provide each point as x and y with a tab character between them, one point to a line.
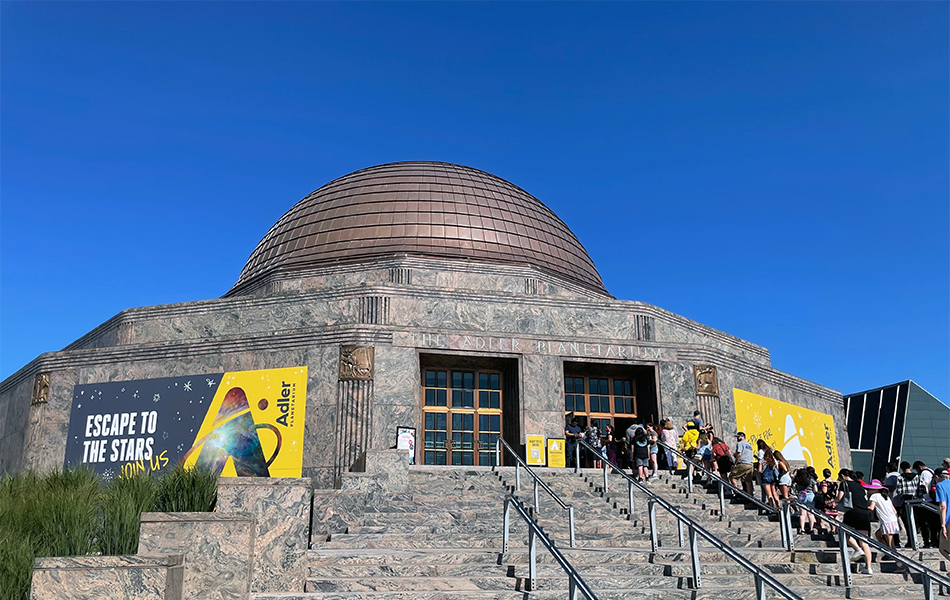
423	209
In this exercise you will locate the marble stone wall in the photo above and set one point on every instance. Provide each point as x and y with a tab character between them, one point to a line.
218	548
398	396
143	577
281	509
542	396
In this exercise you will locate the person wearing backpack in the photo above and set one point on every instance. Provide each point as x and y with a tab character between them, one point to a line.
928	522
723	458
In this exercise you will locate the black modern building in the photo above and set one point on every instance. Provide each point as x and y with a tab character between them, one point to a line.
901	420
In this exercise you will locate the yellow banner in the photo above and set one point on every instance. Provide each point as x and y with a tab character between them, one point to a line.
255	425
534	449
799	433
556	452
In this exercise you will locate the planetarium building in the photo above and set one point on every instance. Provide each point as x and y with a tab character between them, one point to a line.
426	305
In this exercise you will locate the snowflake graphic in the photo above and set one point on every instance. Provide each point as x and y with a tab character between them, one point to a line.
187	386
156	397
108	474
136	394
210	382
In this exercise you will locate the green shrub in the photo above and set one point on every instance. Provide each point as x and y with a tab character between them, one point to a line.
126	498
187	490
72	513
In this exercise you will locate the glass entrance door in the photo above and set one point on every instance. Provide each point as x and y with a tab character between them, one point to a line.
462	416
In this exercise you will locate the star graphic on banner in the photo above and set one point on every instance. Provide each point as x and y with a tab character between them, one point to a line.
210	382
123	389
164	435
156	397
187	386
136	394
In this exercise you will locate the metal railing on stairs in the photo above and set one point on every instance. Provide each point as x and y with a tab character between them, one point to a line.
692	466
538	484
928	575
535	533
762	578
912	518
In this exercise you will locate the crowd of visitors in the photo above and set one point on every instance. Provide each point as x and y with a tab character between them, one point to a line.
848	499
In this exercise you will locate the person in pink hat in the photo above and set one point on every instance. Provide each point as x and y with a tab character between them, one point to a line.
880	502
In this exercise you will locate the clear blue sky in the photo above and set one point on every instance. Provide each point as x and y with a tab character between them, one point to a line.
778	171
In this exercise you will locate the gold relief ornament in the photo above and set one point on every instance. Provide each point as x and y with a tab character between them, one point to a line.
707	380
356	363
40	389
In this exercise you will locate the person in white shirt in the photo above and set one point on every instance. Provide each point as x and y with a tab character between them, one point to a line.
880	503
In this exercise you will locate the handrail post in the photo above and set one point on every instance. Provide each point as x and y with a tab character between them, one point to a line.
759	587
570	516
783	528
572	588
788	526
498	453
507	522
912	527
722	501
928	586
604	462
694	553
517	476
537	505
629	500
679	531
654	542
689	477
577	457
845	562
532	559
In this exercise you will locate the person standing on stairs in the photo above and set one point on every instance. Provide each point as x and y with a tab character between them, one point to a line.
904	489
768	469
723	457
858	516
572	432
880	502
805	494
641	454
652	437
928	522
743	469
784	475
668	437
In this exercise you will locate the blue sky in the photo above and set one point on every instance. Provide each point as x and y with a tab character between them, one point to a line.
778	171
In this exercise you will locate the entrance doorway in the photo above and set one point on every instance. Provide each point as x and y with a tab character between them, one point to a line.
465	402
598	394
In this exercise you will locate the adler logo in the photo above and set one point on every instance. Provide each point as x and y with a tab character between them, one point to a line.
285	404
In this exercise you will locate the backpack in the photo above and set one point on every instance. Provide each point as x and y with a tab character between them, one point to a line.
922	488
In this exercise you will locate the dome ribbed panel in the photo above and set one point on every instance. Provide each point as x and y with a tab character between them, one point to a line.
425	209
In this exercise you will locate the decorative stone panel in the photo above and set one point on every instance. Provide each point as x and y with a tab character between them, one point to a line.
142	577
126	333
40	389
403	276
373	310
356	363
646	328
533	286
707	380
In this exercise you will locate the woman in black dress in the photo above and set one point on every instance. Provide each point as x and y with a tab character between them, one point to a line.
858	516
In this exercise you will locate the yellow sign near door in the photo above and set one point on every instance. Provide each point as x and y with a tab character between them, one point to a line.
556	452
534	449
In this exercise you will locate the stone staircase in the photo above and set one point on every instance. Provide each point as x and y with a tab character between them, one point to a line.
440	537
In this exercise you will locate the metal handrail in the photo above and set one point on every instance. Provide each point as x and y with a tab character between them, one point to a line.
912	518
537	483
928	574
576	582
690	465
761	576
